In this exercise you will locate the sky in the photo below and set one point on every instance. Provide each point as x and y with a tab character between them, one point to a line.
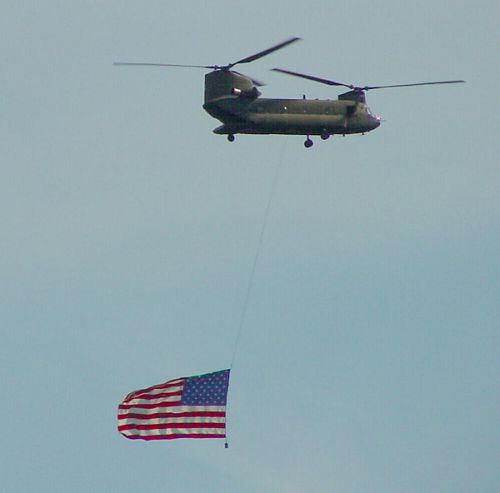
368	357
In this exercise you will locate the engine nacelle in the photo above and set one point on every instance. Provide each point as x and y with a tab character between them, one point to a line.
223	83
252	93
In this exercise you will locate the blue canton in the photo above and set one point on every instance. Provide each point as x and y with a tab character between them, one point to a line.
206	390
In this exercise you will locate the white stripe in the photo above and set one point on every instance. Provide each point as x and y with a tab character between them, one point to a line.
138	400
175	431
161	421
173	409
175	388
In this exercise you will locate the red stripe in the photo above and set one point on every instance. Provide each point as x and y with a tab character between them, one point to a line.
208	414
166	385
170	437
150	406
170	383
167	426
154	396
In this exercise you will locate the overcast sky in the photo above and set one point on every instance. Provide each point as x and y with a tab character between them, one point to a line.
368	358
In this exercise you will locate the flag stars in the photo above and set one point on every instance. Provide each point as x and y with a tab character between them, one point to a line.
210	389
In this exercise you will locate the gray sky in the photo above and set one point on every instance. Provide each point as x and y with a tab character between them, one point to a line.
368	360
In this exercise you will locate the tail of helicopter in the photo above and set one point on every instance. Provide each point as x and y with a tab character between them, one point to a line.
222	89
226	83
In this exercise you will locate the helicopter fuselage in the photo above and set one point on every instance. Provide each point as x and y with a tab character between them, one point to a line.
240	114
234	99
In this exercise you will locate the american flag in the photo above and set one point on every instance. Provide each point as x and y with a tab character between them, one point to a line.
188	407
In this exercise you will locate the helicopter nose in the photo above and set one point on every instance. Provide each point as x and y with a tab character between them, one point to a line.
377	121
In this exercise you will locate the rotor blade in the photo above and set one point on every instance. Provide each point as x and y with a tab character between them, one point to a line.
213	67
367	88
165	65
251	58
311	77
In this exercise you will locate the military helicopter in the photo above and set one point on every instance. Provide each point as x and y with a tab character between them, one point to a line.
233	98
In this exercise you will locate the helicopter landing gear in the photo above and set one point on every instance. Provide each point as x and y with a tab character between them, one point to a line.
230	137
308	143
325	136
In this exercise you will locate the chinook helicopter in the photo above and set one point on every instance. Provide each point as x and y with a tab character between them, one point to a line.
233	98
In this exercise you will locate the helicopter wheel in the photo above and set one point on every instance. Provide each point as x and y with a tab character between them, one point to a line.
230	137
308	143
325	136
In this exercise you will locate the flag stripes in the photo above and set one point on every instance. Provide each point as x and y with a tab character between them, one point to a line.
181	415
173	435
191	407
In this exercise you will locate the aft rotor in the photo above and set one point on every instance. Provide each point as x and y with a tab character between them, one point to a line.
357	93
222	68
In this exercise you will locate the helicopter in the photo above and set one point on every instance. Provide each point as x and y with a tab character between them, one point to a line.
234	100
